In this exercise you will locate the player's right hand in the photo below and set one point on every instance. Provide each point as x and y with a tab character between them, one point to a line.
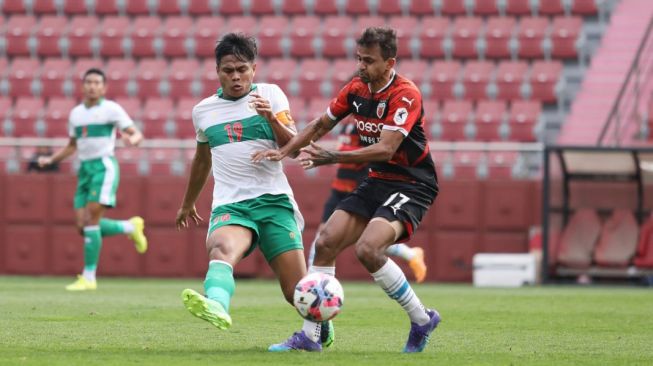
44	161
183	214
272	154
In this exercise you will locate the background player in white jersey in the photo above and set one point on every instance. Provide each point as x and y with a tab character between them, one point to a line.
92	131
253	204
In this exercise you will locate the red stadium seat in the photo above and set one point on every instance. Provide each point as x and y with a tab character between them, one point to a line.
366	21
500	164
336	31
476	78
23	72
48	35
579	238
454	119
207	31
497	36
531	34
200	8
26	112
421	8
56	116
415	70
11	7
42	7
618	241
297	108
390	7
183	73
311	76
149	74
137	7
112	33
510	76
564	35
488	117
19	29
243	24
357	8
280	72
262	7
518	7
184	118
303	30
294	7
144	30
443	77
231	8
551	7
544	78
325	7
5	107
176	31
53	75
453	7
466	164
106	7
132	106
465	35
524	115
406	28
209	78
119	72
80	32
486	8
431	35
343	71
169	8
584	7
272	29
317	107
156	112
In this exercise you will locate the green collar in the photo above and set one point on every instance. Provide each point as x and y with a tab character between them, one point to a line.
91	106
220	94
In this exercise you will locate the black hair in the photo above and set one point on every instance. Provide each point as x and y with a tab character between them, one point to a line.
386	38
242	46
95	71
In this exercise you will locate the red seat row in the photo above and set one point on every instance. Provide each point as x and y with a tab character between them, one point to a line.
302	36
294	7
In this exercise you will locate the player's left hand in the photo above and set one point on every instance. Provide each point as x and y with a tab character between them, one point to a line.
131	140
316	156
262	106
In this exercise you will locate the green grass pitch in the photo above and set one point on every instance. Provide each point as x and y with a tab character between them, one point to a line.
142	322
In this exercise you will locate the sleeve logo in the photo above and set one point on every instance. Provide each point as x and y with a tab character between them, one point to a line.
400	116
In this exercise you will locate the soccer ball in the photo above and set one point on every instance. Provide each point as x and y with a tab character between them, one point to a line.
318	297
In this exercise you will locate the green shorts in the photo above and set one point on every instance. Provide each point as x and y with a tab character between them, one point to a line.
97	181
272	218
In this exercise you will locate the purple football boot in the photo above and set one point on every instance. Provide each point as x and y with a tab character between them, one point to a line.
297	342
419	334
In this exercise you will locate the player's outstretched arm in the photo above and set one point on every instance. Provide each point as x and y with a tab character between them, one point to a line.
199	171
282	124
59	155
131	136
313	132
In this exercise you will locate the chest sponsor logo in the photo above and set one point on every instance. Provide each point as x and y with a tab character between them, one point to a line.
380	108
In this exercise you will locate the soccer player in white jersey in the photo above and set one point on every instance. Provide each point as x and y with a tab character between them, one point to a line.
92	131
253	204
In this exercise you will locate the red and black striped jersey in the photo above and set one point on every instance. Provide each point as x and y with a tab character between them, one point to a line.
396	107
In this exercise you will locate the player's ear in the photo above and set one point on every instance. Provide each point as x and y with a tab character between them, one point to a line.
253	69
390	63
217	69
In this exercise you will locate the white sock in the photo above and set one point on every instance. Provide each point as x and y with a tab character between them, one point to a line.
331	270
311	252
312	330
393	281
127	226
400	250
89	274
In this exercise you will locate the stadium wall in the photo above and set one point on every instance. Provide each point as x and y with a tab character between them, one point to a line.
38	237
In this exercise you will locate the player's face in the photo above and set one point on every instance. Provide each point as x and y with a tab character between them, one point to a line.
371	65
94	87
235	76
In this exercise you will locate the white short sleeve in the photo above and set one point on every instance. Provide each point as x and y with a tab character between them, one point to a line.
121	118
71	127
199	133
278	100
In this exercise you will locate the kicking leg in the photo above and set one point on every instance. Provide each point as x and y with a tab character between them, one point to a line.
134	228
414	256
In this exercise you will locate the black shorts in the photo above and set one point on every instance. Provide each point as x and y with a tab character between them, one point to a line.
391	200
331	203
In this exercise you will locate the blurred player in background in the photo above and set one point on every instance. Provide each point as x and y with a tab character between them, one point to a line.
253	204
348	177
400	187
92	132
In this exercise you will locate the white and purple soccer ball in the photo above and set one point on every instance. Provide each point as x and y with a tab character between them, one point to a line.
318	297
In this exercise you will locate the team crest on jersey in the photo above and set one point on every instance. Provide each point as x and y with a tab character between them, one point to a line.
84	131
380	108
222	218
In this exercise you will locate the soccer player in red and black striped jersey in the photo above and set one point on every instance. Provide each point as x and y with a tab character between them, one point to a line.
400	187
348	177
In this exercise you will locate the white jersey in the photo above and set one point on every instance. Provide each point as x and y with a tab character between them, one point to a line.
234	131
95	128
